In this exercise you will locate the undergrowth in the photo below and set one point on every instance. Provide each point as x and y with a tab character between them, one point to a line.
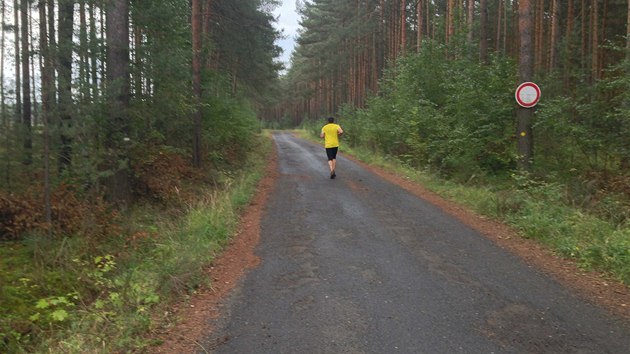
106	293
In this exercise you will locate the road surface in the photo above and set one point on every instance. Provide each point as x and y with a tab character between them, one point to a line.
359	265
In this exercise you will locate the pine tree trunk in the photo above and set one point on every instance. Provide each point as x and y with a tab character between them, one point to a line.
35	109
584	36
65	50
26	86
595	40
83	53
569	39
47	89
117	28
207	18
539	35
526	71
94	89
603	51
18	74
625	158
499	23
450	20
554	37
420	28
3	107
483	31
430	24
403	27
52	43
196	79
515	47
207	29
505	28
470	21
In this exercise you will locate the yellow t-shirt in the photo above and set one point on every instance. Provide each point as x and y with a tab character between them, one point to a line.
331	135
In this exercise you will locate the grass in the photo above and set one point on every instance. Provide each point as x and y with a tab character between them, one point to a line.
56	297
537	210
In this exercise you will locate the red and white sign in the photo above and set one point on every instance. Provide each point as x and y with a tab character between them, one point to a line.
527	94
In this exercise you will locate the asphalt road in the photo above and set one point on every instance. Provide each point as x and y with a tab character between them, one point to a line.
358	265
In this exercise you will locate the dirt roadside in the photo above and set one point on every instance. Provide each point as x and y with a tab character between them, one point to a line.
195	316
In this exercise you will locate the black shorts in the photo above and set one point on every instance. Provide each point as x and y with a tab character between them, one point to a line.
332	153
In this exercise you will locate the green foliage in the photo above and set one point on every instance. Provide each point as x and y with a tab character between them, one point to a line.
587	128
72	295
229	128
92	285
452	115
241	45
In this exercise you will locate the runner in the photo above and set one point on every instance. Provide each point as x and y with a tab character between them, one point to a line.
330	133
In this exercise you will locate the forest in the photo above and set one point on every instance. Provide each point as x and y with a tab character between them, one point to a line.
431	85
133	135
128	131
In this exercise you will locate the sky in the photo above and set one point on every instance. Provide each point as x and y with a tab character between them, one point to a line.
288	23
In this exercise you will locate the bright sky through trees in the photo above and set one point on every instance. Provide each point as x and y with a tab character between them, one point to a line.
288	23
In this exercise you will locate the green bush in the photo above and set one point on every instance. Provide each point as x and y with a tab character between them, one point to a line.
453	115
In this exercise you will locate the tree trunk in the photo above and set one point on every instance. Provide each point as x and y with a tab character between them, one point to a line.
526	70
94	50
604	39
483	31
420	28
499	22
403	26
450	19
83	53
3	107
52	44
569	39
470	21
196	81
554	37
18	74
625	158
584	36
26	86
117	28
34	105
65	49
47	89
595	40
539	32
137	58
207	18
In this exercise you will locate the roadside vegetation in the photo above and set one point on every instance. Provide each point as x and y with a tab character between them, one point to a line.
430	86
430	125
108	284
123	171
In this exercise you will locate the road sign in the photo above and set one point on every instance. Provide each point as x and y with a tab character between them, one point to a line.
527	94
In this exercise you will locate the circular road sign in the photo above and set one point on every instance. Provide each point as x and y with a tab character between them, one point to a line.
527	94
